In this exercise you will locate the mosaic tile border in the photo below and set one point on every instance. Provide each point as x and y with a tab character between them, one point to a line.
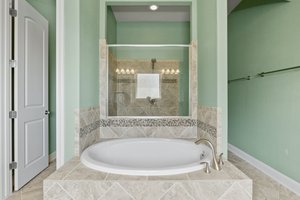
171	122
207	128
89	128
148	123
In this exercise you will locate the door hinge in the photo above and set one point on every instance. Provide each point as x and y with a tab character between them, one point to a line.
12	114
12	63
13	165
13	12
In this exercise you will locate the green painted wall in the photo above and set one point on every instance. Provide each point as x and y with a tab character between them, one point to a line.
212	59
111	33
89	53
153	32
264	113
72	72
159	33
48	9
251	3
81	63
207	53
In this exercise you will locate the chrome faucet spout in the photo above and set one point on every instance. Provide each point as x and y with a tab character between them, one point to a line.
215	164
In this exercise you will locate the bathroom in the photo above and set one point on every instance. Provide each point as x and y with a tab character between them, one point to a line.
83	116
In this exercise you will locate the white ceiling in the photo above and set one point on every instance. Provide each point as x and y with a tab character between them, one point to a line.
143	13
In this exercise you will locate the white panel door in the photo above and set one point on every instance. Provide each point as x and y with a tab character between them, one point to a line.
31	93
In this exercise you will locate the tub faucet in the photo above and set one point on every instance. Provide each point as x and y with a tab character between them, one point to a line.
217	165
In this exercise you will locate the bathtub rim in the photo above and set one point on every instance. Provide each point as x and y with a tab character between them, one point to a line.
130	171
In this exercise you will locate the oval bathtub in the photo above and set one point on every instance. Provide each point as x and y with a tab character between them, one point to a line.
146	156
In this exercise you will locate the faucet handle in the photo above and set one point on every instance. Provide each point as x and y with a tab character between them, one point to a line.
207	168
221	161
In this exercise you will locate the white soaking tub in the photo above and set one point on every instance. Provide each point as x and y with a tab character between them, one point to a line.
146	156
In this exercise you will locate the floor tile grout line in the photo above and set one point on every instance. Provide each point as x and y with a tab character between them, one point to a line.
245	189
173	185
105	179
126	191
64	178
226	192
66	191
105	192
187	192
49	187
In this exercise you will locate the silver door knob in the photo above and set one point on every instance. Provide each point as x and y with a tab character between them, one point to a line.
47	112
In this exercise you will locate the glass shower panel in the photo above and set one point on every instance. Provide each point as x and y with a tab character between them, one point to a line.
148	80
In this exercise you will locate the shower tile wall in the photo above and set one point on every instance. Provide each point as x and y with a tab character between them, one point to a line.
122	87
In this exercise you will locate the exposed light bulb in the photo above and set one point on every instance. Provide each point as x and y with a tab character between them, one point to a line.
132	71
153	7
163	71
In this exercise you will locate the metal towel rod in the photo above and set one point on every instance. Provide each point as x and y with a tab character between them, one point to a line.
262	74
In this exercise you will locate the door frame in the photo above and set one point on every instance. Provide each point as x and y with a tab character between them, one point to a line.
5	88
5	100
60	85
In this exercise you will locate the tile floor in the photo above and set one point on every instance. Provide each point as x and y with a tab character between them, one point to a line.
34	189
264	187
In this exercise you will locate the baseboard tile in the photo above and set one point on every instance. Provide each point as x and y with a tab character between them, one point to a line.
52	157
276	175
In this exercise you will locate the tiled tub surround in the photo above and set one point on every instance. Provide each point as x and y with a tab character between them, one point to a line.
75	181
209	126
89	128
87	131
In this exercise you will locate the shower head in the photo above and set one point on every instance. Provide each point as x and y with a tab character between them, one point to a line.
153	61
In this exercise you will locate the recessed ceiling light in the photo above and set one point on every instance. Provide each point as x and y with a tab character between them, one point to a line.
153	7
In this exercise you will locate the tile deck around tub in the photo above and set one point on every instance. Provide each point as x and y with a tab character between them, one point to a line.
75	181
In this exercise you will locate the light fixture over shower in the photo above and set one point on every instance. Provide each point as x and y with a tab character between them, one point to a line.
153	7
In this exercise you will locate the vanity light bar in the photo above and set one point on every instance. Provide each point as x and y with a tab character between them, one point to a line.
132	71
170	71
125	71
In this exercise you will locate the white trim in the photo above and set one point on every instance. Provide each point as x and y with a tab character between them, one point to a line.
60	90
5	139
276	175
222	73
52	157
